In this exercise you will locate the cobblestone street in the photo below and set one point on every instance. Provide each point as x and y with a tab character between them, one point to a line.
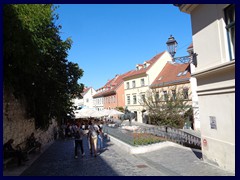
58	160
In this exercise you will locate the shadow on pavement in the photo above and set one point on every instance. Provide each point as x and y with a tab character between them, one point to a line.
58	160
198	153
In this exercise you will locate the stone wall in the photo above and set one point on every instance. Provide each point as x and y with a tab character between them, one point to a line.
17	126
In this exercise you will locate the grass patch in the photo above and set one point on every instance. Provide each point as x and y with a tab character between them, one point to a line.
146	138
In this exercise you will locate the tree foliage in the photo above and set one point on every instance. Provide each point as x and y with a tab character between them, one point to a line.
36	68
167	110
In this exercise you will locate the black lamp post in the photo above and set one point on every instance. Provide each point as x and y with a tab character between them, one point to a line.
172	48
172	45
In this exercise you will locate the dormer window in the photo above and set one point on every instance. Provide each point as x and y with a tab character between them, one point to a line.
137	67
179	74
145	65
160	78
184	73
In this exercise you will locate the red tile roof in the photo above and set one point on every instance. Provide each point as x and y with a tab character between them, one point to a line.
144	70
112	84
190	46
170	75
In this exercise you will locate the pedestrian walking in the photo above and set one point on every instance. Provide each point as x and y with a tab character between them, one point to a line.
78	135
93	132
100	138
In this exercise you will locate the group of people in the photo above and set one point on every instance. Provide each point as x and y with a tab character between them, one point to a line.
9	151
94	134
78	130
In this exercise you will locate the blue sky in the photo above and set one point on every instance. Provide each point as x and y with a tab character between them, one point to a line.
110	39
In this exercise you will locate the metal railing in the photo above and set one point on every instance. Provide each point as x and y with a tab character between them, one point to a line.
168	133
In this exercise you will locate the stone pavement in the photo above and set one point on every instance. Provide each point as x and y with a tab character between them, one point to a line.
176	160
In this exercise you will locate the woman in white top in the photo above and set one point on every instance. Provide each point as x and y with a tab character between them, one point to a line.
93	132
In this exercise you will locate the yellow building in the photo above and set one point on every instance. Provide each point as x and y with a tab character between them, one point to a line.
137	83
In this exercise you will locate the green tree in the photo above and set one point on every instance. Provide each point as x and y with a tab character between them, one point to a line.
36	68
166	109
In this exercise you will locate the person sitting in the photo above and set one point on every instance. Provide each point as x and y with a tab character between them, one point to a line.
9	151
32	142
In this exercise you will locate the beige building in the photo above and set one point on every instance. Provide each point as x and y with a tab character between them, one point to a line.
213	34
174	81
137	83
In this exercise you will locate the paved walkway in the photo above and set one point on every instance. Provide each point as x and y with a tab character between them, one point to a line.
58	160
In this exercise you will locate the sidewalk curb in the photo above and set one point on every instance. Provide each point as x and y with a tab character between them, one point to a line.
143	149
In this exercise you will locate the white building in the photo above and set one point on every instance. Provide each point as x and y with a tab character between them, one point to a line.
86	100
213	34
87	95
98	98
77	102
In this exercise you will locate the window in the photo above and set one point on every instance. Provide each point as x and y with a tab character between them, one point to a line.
165	95
133	84
134	99
179	74
157	96
143	97
174	94
184	73
230	27
185	93
128	99
142	82
127	85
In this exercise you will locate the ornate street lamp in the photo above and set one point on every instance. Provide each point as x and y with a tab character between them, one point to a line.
172	48
172	45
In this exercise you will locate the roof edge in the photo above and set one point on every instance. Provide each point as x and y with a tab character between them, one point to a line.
187	8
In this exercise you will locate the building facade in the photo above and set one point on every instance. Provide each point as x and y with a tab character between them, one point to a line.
87	95
137	83
173	82
213	33
111	95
